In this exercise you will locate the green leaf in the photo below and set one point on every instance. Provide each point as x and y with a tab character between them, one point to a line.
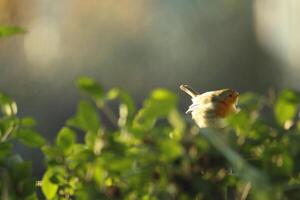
240	120
65	138
4	99
160	104
21	170
10	30
7	126
170	149
86	117
177	123
7	105
28	122
250	101
80	155
286	106
30	138
21	173
49	189
5	150
52	153
99	175
113	94
91	87
115	163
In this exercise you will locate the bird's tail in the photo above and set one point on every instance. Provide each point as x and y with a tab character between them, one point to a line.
187	89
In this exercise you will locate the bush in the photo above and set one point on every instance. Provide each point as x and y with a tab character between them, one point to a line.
154	153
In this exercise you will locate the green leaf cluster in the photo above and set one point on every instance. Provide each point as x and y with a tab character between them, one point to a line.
16	180
110	149
153	153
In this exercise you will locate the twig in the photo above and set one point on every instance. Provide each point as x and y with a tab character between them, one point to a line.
6	184
246	191
8	132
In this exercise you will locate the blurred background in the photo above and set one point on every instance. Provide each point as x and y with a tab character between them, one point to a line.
140	45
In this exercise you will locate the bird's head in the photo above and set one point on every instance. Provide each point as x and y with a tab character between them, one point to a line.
227	96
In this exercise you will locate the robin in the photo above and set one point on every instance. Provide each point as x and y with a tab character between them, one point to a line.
209	109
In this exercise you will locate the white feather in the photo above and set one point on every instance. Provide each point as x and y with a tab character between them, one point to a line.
203	111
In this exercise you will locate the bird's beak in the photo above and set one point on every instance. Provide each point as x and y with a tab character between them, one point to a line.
236	94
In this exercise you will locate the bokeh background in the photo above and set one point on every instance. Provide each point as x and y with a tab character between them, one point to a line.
140	45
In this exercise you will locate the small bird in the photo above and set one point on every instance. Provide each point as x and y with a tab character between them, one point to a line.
209	109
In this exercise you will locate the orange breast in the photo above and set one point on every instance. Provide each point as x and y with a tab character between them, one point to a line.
223	109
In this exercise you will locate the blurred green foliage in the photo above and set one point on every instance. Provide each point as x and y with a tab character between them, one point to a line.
16	180
154	152
6	31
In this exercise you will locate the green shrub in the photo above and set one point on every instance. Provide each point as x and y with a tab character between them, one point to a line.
16	180
154	153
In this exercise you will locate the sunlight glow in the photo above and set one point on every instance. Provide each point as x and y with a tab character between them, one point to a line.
42	43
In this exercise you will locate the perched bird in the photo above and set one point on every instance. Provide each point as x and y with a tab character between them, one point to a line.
209	109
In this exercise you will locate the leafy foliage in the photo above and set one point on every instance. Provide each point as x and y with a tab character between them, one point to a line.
154	153
16	174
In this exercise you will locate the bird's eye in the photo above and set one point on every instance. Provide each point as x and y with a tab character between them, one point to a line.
230	95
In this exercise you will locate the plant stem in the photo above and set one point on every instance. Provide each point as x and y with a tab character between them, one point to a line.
6	183
7	133
246	191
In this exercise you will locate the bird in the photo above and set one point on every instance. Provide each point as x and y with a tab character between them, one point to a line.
210	109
